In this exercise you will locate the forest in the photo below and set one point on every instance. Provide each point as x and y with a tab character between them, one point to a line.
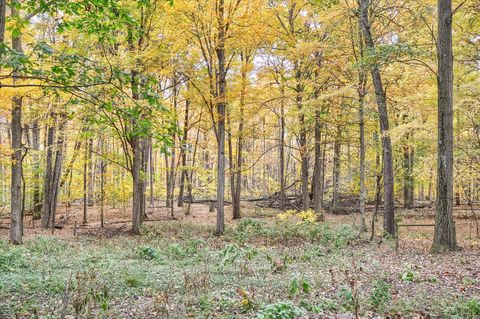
266	159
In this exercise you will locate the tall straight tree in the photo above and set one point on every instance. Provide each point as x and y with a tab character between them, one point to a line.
388	181
222	88
16	206
445	237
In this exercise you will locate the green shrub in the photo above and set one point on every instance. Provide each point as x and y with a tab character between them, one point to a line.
149	253
410	276
280	310
465	309
381	294
12	259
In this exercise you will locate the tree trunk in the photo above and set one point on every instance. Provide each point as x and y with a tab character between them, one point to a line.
183	154
238	167
37	200
90	176
317	197
445	235
85	185
361	116
103	170
16	207
221	103
47	189
408	179
282	149
337	147
57	170
3	13
388	179
137	204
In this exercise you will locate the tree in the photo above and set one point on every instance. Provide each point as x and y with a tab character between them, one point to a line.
445	235
16	207
388	180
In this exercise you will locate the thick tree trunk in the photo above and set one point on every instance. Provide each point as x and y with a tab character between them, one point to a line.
445	235
388	179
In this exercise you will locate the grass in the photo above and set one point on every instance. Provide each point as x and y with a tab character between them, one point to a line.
258	269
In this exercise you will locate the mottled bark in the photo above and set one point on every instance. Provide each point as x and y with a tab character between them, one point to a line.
445	235
16	204
220	105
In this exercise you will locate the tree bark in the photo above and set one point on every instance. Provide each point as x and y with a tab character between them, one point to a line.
3	13
183	154
318	170
85	184
361	117
444	235
388	179
408	179
37	189
16	204
282	149
337	147
47	189
57	170
221	103
238	167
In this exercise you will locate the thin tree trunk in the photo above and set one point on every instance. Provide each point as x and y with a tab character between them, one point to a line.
317	197
37	200
103	170
90	176
282	149
85	185
57	170
137	204
238	167
47	189
337	147
183	154
388	179
221	102
361	116
444	234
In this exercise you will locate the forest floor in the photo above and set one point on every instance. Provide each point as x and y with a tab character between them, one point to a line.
263	267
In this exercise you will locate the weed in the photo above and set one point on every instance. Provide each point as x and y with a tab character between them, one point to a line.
464	309
381	294
410	276
149	253
280	310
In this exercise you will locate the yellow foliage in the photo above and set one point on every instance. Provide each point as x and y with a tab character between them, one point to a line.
292	215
